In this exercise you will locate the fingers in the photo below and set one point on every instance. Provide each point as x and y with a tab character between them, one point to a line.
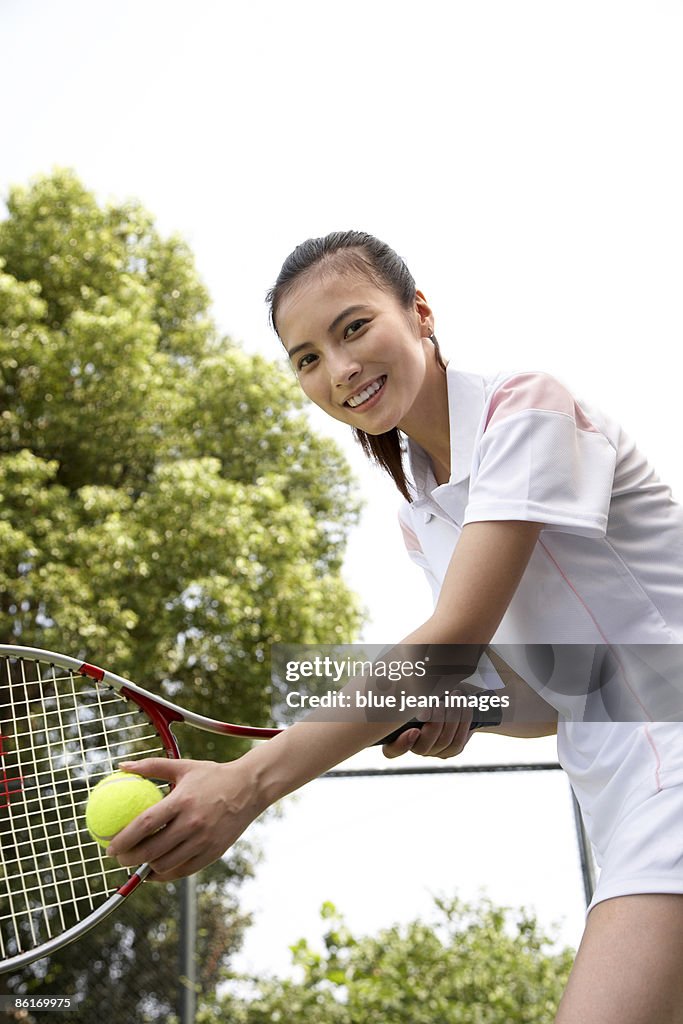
402	744
165	768
170	838
441	739
132	842
435	739
173	853
206	812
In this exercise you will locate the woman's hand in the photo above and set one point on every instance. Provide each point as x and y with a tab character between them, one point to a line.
434	739
207	811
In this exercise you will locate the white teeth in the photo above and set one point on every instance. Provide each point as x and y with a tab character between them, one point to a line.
371	390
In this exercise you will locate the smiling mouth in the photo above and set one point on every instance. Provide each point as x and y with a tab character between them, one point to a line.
364	396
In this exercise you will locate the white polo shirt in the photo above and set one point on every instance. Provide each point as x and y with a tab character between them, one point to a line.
607	568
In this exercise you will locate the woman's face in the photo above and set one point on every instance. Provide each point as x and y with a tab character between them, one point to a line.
358	354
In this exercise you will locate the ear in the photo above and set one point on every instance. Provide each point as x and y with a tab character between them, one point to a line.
424	315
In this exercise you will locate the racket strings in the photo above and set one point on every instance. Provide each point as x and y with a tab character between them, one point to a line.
59	735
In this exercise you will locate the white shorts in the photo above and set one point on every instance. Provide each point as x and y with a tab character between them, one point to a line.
628	779
645	851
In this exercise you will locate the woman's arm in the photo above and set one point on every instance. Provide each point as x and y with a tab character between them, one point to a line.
476	587
212	804
484	572
535	716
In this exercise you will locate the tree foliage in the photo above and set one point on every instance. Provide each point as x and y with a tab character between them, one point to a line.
474	965
165	509
164	506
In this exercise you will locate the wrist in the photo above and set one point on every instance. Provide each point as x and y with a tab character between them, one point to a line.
267	783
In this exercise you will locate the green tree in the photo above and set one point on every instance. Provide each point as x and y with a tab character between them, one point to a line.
164	504
475	964
165	508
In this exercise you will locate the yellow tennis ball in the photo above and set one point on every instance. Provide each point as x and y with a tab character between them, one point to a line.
115	801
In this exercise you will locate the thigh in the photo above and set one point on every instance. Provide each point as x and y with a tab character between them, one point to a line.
629	967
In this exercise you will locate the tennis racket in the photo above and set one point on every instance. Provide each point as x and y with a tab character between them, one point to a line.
64	725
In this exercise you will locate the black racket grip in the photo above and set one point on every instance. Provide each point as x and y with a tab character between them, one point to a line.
492	717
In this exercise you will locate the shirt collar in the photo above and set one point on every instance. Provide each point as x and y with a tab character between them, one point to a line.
466	400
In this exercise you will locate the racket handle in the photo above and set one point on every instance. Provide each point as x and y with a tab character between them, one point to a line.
489	718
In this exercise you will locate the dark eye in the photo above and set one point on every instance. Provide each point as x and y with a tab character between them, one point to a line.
355	325
302	364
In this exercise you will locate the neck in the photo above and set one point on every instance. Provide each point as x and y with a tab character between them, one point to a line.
427	423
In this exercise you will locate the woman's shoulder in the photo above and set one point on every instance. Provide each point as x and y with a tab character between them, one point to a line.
518	392
529	388
511	390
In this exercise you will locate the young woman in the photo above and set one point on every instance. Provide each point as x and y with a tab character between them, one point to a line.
537	522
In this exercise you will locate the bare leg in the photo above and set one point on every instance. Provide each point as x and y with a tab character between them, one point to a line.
629	967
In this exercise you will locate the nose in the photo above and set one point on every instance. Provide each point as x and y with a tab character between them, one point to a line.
343	367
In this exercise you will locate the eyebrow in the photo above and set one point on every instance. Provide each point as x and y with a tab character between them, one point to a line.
333	326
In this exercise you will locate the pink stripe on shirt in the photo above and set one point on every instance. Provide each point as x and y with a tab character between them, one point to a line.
410	538
527	391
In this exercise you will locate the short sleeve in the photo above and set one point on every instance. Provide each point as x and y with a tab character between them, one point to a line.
541	459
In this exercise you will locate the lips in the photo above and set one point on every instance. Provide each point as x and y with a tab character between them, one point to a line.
366	393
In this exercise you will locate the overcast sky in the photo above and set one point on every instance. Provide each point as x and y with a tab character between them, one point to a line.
526	159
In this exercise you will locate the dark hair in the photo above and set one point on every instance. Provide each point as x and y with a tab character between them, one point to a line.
350	251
